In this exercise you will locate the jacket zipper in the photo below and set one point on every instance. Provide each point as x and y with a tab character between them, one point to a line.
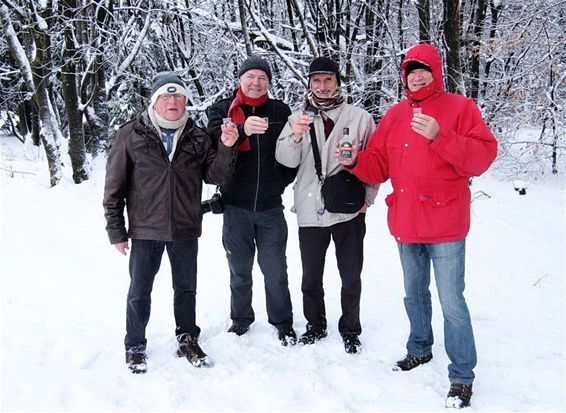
258	165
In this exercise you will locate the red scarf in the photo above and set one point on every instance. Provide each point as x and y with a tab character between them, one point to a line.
237	114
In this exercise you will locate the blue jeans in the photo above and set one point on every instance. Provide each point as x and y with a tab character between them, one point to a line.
448	259
145	260
244	231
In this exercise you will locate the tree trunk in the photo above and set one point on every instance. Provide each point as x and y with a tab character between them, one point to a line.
36	76
452	37
475	48
247	42
93	89
423	8
495	10
292	25
77	149
373	65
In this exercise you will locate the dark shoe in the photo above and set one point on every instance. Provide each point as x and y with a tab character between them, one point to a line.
136	359
312	335
459	396
410	362
189	348
352	343
238	329
287	336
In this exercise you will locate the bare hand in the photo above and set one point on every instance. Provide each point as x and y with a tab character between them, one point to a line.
301	126
229	135
255	125
425	125
346	161
122	247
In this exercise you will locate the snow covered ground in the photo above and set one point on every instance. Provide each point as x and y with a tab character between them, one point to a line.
63	313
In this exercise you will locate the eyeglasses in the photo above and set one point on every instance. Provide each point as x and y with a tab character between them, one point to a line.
178	97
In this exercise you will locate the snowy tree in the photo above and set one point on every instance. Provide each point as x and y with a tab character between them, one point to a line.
96	59
36	74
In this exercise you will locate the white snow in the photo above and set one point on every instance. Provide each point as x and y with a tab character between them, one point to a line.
63	312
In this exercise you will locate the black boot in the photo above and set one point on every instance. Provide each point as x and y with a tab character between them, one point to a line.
136	359
287	336
459	395
189	348
312	335
238	329
410	362
352	343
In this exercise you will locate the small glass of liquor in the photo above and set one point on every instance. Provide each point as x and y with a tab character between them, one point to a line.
310	112
226	122
345	145
417	110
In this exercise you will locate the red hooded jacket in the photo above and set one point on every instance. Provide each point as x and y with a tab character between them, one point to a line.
430	202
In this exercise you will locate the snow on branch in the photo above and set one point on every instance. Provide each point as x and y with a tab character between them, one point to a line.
16	48
273	43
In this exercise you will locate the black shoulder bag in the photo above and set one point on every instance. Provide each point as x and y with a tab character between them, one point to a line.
342	192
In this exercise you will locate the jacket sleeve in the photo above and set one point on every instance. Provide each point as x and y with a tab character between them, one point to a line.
287	152
372	165
116	189
371	189
287	174
216	113
472	148
219	163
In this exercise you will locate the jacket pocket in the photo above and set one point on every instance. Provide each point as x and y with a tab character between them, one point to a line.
391	202
395	156
437	214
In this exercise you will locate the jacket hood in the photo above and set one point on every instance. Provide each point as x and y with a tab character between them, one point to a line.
426	54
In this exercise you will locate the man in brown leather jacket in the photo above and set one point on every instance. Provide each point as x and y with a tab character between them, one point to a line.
155	169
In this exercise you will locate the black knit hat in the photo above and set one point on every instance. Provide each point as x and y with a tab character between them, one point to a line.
324	65
163	78
414	65
167	83
255	62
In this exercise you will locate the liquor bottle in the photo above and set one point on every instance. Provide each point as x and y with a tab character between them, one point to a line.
345	145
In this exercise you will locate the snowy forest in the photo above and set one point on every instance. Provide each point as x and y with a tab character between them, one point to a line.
72	71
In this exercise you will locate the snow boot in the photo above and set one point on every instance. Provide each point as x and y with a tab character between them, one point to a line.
312	335
459	396
352	343
410	362
238	329
287	336
189	348
136	359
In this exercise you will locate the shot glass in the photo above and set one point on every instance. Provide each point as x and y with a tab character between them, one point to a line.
226	122
417	110
309	113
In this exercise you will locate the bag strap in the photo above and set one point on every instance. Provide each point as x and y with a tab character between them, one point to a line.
316	154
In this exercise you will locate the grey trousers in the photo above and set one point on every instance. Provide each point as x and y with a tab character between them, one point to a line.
244	231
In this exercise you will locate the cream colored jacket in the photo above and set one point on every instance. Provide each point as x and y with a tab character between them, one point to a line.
308	203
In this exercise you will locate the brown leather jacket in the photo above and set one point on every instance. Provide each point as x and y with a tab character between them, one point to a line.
162	197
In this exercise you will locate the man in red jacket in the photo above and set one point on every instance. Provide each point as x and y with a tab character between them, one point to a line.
429	145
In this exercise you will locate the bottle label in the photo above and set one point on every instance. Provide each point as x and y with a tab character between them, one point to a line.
345	150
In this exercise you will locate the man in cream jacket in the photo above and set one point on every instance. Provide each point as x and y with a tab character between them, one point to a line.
317	226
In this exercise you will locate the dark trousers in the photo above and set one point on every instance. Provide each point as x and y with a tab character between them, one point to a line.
348	240
242	232
145	260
